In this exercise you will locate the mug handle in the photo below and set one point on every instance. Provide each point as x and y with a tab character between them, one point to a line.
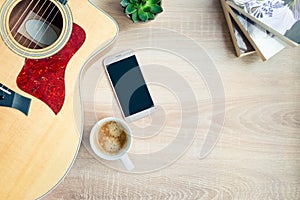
127	162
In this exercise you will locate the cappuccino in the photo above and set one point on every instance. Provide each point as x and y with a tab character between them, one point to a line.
112	138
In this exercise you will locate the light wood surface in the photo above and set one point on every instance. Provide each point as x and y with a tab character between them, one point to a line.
257	156
37	150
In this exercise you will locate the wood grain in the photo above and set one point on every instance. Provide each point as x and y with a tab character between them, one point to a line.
258	154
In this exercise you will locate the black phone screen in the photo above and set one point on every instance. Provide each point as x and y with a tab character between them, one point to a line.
130	86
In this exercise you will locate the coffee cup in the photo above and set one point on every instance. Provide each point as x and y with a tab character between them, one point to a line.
111	139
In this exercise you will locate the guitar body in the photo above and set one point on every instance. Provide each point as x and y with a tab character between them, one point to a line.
38	149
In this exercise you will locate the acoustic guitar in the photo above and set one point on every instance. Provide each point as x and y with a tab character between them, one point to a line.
44	45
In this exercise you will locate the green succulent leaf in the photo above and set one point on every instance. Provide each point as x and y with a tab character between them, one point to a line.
155	9
134	17
134	1
146	8
124	3
151	16
142	15
141	10
153	1
130	9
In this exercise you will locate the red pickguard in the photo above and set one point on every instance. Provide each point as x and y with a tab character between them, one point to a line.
45	78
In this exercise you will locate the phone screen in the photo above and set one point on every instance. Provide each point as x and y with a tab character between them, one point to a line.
130	86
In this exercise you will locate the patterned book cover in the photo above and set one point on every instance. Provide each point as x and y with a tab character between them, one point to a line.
265	43
280	17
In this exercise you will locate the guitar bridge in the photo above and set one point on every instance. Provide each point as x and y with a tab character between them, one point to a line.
9	98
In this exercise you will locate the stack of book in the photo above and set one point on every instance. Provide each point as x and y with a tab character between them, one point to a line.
262	26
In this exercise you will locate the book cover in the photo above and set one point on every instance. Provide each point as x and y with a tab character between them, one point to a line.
265	43
280	17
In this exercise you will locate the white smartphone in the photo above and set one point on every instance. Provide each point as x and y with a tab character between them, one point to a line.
128	85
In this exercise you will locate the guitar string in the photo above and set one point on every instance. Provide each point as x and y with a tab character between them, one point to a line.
23	16
44	22
49	24
39	19
28	6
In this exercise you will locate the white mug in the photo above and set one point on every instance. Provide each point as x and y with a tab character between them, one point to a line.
122	155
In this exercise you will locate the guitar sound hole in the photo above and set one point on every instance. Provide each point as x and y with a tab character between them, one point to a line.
35	24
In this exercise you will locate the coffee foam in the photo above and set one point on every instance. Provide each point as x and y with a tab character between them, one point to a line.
111	138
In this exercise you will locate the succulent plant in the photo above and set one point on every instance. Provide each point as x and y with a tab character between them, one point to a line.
141	10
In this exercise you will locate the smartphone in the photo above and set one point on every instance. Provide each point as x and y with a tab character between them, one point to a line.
129	85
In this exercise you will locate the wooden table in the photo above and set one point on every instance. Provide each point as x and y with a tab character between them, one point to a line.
258	154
